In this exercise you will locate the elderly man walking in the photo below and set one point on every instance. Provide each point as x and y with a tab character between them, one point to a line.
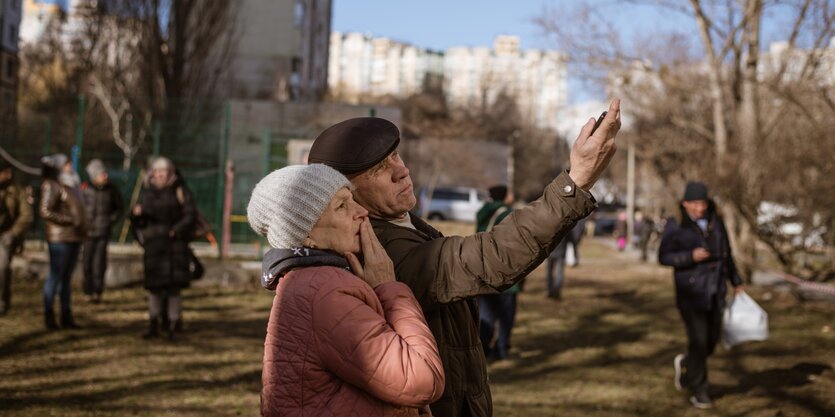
696	246
447	273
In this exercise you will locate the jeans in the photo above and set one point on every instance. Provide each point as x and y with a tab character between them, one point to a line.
703	331
62	259
556	260
95	265
492	308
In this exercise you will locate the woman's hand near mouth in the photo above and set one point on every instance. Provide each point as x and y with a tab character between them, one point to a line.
377	267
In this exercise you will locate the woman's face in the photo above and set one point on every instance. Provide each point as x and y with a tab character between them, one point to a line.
338	229
159	177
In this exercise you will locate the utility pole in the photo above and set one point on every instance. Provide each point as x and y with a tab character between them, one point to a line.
630	191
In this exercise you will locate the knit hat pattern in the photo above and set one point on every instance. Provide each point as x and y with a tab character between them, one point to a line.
287	203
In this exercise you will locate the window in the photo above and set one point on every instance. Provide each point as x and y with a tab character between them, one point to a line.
441	194
10	69
13	33
298	13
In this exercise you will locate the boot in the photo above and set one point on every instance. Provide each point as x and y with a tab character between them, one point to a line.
172	330
49	319
68	323
153	329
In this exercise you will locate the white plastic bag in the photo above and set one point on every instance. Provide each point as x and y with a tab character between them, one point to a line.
570	259
744	321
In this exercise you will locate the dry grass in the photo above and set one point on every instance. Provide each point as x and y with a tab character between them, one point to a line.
605	349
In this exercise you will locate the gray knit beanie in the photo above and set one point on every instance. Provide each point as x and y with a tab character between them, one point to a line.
95	168
287	203
56	161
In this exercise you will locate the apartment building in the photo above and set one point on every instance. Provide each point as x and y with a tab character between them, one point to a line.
365	66
361	65
538	80
281	50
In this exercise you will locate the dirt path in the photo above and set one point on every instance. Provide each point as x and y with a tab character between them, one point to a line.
605	349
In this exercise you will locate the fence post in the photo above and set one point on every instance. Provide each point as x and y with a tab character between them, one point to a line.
268	141
157	132
226	230
79	133
47	139
221	173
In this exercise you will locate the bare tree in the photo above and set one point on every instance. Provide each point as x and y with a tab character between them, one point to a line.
716	111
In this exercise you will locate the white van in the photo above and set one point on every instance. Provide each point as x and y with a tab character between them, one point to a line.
452	203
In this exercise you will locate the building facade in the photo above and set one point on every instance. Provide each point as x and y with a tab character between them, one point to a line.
281	50
10	14
36	17
538	80
362	66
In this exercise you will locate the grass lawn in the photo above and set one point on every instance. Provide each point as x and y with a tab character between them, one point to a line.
605	349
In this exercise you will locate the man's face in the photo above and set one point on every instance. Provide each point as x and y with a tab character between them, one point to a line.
386	189
696	209
101	179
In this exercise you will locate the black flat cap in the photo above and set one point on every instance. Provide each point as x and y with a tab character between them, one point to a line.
695	191
355	145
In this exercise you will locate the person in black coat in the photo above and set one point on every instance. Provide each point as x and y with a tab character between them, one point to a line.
103	206
163	220
697	247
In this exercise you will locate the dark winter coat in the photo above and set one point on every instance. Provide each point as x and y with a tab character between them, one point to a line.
445	273
166	257
699	286
103	206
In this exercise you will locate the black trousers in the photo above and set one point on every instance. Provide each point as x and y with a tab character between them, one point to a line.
95	264
5	277
703	331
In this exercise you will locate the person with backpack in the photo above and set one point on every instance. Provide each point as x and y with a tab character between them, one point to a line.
15	218
103	206
163	220
501	307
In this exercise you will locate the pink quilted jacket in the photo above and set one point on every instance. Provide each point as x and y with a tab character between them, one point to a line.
337	347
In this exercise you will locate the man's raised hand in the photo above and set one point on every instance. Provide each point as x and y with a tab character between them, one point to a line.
591	153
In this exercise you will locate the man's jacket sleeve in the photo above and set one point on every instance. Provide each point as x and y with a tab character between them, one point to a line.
457	267
25	217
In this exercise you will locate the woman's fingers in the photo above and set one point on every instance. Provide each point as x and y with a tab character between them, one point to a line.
356	266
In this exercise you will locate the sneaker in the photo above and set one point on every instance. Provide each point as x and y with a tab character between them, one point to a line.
701	401
677	366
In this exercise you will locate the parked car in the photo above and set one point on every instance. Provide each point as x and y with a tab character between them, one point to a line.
451	203
605	218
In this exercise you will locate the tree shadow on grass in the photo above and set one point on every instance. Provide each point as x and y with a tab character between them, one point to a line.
777	383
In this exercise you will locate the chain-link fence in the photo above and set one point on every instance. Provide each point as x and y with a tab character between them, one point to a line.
195	136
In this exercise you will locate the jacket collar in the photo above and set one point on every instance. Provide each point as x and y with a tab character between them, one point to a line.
278	262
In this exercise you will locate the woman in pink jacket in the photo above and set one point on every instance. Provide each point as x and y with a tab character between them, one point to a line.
344	338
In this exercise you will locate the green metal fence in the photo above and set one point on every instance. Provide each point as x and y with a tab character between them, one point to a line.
196	137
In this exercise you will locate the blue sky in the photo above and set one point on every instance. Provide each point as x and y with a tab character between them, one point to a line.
438	24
